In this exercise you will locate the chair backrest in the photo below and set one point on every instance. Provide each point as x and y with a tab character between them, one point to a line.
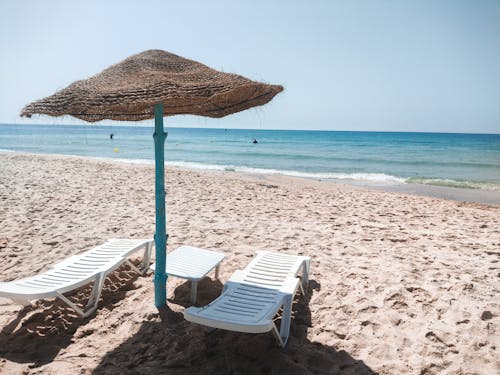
271	270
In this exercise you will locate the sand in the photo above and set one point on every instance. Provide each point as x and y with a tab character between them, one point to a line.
400	284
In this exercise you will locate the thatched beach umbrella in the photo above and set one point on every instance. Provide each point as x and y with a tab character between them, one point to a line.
154	84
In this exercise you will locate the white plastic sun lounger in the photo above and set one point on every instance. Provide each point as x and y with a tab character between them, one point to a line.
252	297
76	271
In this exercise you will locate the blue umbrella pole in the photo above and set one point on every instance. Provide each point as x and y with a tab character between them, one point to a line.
161	226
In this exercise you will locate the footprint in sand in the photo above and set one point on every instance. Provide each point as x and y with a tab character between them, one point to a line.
420	295
397	301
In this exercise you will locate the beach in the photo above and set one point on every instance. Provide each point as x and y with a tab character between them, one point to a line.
399	284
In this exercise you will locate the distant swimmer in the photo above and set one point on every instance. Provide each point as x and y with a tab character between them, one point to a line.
255	141
111	136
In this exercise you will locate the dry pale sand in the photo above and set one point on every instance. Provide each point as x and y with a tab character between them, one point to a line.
400	284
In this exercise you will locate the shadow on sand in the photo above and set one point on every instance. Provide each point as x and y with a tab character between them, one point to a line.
172	345
39	332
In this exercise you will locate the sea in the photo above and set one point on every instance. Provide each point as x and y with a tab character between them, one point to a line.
470	161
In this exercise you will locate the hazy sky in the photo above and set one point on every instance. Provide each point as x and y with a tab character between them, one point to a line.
346	65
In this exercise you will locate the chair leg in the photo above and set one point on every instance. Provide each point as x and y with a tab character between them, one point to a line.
302	289
134	268
276	334
217	272
194	289
305	277
96	291
285	319
78	310
93	300
146	257
145	260
284	332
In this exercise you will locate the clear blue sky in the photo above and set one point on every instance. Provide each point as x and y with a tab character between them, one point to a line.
346	65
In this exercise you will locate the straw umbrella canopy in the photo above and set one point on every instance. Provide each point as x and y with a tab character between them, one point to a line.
148	85
128	91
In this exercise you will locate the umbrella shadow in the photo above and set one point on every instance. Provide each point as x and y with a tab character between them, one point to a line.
172	345
38	332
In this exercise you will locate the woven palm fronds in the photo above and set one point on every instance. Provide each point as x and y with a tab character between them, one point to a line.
127	91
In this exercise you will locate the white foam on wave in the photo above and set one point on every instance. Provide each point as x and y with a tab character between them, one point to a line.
446	182
366	177
126	161
352	178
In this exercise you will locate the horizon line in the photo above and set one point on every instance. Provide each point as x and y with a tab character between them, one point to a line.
138	124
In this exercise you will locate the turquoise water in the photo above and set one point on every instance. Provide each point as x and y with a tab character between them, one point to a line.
461	160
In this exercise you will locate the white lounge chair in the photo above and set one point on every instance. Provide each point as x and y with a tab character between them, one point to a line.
253	296
76	271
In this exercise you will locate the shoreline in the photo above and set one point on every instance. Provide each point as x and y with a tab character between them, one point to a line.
479	196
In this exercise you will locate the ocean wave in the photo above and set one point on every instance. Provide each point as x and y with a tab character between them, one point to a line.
123	160
363	178
368	177
482	185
